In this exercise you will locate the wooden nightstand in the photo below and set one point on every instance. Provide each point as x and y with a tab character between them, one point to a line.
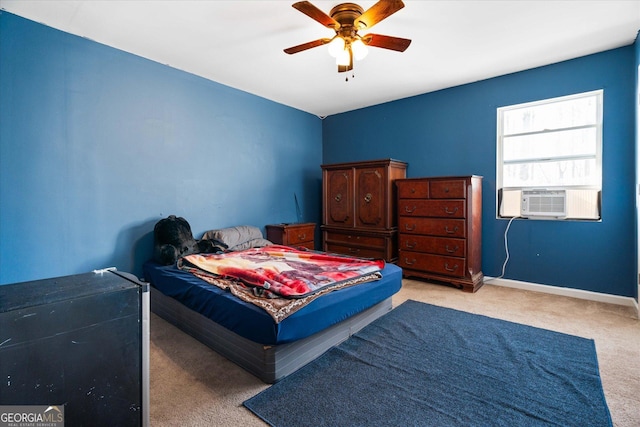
292	234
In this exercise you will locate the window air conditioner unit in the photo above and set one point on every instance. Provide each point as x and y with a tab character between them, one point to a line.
543	204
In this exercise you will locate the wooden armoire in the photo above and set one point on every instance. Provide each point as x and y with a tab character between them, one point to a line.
359	215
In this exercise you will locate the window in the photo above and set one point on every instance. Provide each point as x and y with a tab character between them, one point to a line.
553	144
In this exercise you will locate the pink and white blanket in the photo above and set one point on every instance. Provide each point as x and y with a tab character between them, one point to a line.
281	271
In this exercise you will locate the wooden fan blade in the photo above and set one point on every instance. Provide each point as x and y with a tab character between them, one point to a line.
305	46
316	14
386	42
378	12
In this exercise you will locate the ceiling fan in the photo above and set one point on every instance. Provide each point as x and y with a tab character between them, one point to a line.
346	19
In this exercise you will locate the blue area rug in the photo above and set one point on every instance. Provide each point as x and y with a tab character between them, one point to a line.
423	365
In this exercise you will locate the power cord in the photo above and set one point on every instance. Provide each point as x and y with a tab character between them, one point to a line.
506	249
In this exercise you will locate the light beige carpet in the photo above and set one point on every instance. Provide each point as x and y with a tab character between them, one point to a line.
192	385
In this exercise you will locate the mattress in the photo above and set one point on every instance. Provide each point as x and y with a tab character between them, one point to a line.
255	324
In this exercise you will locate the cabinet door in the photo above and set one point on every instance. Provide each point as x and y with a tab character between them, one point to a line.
339	197
370	197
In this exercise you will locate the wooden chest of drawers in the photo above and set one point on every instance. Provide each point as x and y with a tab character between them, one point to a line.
292	234
440	229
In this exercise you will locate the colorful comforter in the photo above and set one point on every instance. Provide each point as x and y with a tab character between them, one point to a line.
281	271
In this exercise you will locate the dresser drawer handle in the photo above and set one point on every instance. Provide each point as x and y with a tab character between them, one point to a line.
446	267
454	231
449	250
408	210
406	261
368	197
354	250
413	190
447	211
410	245
338	197
302	236
409	227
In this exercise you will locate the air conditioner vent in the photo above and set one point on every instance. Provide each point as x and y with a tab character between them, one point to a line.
544	203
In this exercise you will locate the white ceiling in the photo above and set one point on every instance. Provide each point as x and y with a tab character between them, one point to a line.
240	43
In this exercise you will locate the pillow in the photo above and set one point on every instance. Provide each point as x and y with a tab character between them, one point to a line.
253	243
237	236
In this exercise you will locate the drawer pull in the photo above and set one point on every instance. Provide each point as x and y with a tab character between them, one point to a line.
452	250
354	250
413	190
409	227
368	197
447	211
409	210
454	231
302	236
338	197
410	245
446	267
406	261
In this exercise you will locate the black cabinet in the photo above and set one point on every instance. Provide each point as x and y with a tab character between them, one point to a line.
81	342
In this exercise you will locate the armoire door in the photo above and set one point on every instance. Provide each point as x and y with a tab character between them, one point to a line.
370	197
339	197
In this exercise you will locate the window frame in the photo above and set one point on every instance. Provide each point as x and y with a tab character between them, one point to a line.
500	136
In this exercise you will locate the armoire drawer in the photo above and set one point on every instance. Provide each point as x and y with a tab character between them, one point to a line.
361	252
447	266
433	245
433	227
448	189
354	239
432	208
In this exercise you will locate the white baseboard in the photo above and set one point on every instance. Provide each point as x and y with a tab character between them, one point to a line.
567	292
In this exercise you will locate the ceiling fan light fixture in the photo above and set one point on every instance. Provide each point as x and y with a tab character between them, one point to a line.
359	49
343	58
346	19
336	46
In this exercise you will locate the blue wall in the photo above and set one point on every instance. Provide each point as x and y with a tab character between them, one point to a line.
97	145
453	132
637	154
